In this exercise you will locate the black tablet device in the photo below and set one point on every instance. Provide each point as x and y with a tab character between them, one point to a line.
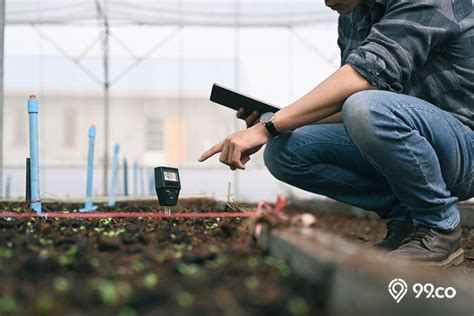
235	100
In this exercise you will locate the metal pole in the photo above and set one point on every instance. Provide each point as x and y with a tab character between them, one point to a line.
8	188
101	14
125	177
142	181
135	178
2	40
106	106
237	86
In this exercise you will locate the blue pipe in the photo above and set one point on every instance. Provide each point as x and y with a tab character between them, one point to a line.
89	205
113	182
33	109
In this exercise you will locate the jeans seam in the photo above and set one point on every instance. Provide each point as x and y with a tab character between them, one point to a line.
411	153
292	150
402	107
291	158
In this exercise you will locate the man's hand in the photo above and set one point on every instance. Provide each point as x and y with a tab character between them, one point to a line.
251	119
237	148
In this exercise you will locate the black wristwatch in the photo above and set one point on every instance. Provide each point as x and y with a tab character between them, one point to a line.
267	120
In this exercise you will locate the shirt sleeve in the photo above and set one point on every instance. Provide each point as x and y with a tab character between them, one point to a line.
401	41
341	40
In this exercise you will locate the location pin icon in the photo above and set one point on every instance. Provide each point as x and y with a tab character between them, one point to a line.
398	288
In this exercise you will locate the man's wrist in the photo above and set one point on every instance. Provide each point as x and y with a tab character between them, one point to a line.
268	121
263	131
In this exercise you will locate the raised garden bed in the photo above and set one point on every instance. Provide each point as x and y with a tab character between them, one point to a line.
143	266
370	230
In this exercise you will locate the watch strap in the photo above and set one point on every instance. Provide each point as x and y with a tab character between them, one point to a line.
271	129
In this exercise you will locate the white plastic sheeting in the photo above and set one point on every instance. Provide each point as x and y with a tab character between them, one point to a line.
252	13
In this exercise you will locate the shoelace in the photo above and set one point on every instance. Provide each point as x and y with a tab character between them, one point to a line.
418	234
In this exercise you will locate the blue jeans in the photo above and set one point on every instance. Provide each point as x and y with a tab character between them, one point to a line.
394	154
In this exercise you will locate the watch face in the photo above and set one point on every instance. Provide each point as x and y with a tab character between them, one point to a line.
266	117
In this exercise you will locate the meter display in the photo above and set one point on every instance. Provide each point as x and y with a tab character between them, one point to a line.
170	176
167	186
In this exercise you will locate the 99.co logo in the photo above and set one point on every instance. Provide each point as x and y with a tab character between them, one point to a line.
433	292
398	288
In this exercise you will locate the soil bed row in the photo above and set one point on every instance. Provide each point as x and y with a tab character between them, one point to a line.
143	266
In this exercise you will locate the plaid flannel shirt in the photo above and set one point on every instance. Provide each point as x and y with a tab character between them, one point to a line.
422	48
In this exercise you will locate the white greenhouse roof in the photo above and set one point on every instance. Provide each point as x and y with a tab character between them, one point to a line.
225	13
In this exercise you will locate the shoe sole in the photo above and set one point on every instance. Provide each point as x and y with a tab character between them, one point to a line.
456	258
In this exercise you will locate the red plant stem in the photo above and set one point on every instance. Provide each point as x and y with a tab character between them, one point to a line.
128	215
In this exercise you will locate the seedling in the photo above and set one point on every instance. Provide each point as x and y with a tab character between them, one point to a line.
167	186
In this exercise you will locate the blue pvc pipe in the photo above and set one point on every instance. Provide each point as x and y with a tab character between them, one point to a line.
89	205
33	109
113	182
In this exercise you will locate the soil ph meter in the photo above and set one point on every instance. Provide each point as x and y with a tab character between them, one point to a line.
167	186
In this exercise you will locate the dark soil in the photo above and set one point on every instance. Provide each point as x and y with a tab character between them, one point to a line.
143	267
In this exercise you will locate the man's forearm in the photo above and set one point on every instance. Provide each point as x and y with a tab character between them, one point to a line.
335	118
323	101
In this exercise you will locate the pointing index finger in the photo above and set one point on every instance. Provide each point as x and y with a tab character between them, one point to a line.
211	152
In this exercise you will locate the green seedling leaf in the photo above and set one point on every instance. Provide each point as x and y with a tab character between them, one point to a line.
252	283
150	280
189	270
8	304
127	311
253	262
95	262
45	242
185	299
108	293
105	221
138	267
213	249
298	306
64	261
44	304
160	258
220	261
124	289
61	285
6	253
72	252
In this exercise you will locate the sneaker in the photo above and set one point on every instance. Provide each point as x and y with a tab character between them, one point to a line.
432	247
397	230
